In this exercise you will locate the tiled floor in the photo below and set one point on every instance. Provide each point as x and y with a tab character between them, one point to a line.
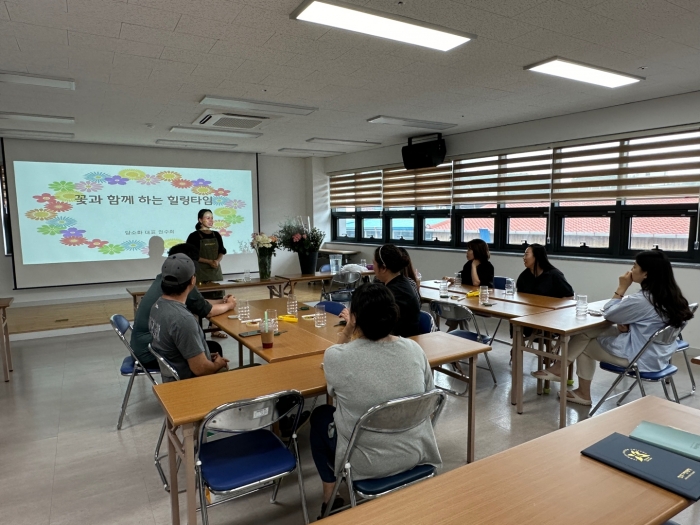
63	461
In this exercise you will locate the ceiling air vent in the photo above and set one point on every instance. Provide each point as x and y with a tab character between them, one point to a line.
210	119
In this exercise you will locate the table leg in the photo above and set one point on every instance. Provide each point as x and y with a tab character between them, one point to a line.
136	305
5	367
240	354
172	462
471	414
564	370
251	357
518	362
6	333
513	371
188	434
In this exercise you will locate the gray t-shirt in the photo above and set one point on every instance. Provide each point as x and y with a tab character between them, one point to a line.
177	335
364	373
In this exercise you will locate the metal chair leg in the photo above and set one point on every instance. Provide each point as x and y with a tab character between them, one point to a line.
690	375
300	480
489	368
605	397
126	398
202	496
276	487
675	392
627	392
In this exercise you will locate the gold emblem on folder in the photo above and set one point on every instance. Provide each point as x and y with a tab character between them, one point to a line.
636	455
686	473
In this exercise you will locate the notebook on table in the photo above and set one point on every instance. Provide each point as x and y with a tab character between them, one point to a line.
668	438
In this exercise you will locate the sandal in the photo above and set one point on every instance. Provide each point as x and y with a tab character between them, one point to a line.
545	375
220	335
573	397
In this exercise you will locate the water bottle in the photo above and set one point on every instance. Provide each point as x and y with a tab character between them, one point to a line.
483	294
292	305
246	276
363	263
581	306
443	289
510	286
458	279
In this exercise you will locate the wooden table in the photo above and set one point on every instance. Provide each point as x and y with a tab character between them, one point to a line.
300	339
545	481
274	285
295	278
562	322
187	402
500	309
553	303
5	303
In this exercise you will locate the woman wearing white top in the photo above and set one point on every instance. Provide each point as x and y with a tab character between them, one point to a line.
637	316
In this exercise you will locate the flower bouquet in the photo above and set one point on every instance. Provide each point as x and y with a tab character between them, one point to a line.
265	247
302	239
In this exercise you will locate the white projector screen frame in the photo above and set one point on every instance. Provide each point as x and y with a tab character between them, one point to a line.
79	273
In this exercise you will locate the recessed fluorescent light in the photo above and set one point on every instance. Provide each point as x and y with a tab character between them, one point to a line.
562	67
215	132
37	118
376	23
30	134
196	145
410	123
310	151
256	105
35	80
342	142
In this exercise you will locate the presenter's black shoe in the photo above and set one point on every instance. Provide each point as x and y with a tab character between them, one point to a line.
337	503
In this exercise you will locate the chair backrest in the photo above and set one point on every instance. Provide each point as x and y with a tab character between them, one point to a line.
663	336
340	297
348	279
332	307
499	282
398	415
425	322
252	414
693	308
451	311
166	367
121	326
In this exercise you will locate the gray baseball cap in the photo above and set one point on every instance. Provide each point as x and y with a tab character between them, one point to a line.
177	269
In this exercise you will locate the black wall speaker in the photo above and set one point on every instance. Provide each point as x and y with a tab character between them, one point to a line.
425	154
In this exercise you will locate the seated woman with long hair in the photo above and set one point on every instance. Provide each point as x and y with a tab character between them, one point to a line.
367	367
637	316
540	277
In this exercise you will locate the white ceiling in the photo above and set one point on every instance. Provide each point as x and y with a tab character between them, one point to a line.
151	62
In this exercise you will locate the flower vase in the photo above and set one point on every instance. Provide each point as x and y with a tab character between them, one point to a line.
264	265
307	262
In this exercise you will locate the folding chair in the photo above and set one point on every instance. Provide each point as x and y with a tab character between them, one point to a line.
166	370
346	281
393	417
332	307
252	457
664	336
499	283
463	316
682	346
131	366
425	323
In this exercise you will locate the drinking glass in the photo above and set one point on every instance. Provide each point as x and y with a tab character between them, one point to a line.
510	286
246	276
443	288
271	319
292	304
458	279
581	306
320	317
336	262
243	310
363	263
267	334
483	294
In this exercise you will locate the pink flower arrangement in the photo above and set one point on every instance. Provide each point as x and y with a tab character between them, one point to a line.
297	237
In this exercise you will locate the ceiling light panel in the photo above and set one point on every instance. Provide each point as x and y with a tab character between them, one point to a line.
376	23
564	68
36	118
189	144
34	80
28	134
215	132
342	142
410	123
310	151
257	105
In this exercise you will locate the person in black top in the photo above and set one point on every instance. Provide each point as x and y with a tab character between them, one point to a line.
478	270
541	278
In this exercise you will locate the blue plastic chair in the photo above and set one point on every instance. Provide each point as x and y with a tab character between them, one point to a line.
131	366
251	458
666	336
682	346
425	323
499	283
393	417
332	307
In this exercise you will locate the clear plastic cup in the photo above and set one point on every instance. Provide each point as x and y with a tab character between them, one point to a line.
271	319
246	276
458	279
292	304
581	306
510	286
483	295
267	334
320	315
443	289
363	263
243	310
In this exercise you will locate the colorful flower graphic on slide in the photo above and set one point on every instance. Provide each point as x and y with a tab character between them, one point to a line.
44	198
40	215
96	176
49	229
88	186
133	246
149	180
63	222
66	192
97	243
73	241
111	249
169	175
132	174
62	185
58	206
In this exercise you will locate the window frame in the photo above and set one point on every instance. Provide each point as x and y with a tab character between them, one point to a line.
390	214
359	232
522	213
335	217
560	213
444	214
458	216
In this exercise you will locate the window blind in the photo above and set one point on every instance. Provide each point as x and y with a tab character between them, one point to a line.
658	166
424	187
356	189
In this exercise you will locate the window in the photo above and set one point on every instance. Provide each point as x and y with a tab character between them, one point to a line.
582	232
401	229
372	229
439	230
483	228
668	233
527	230
344	229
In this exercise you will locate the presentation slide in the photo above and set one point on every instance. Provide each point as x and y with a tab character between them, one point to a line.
70	213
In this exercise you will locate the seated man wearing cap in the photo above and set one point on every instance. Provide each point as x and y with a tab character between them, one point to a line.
176	333
198	305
